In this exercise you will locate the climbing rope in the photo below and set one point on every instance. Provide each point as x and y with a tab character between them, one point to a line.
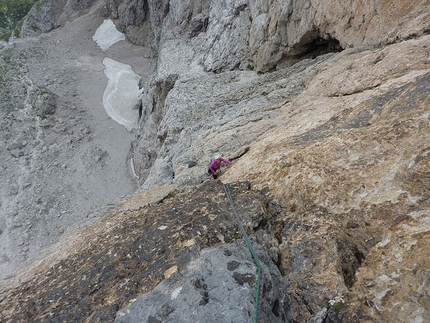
260	276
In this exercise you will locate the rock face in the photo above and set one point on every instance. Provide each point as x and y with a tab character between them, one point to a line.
132	18
357	147
42	18
288	28
220	276
323	109
138	249
47	15
394	274
273	39
263	34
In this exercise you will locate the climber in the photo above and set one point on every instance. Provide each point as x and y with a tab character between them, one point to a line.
215	164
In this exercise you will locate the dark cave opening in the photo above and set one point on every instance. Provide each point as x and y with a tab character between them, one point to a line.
310	46
319	46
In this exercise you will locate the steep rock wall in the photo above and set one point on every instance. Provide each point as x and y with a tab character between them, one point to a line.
263	33
191	41
259	33
289	28
357	147
338	142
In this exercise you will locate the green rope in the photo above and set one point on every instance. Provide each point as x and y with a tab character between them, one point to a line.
254	256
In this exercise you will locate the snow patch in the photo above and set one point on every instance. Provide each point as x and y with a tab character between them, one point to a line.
107	35
121	96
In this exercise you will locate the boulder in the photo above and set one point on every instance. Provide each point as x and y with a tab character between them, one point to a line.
43	17
219	286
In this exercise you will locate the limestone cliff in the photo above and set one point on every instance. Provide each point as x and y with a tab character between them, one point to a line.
323	108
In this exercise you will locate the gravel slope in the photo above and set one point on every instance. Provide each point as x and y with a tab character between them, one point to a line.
63	165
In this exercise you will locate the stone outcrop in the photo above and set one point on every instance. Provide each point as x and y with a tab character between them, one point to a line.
378	121
132	18
263	34
109	265
333	138
331	170
289	28
394	275
42	18
195	294
186	55
47	15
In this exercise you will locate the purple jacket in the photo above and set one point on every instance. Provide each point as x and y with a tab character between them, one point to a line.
215	164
